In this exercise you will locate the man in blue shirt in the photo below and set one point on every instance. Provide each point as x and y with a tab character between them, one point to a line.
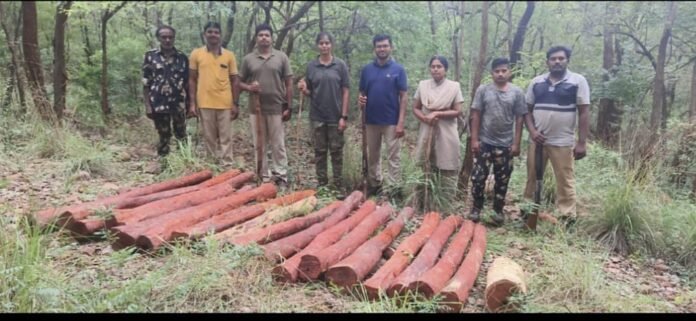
383	97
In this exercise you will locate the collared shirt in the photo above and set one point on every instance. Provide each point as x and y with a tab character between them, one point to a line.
167	79
326	83
498	112
382	85
214	89
270	73
555	106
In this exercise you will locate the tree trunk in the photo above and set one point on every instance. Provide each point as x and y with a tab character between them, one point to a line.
458	45
346	46
108	14
32	60
251	39
508	13
14	54
289	24
321	16
432	20
11	80
480	66
659	96
518	41
609	117
60	77
692	102
230	25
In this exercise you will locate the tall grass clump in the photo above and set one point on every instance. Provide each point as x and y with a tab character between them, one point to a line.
182	159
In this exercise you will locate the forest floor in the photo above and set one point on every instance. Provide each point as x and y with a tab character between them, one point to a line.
566	271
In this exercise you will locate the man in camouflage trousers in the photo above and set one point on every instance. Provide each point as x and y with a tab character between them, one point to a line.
165	80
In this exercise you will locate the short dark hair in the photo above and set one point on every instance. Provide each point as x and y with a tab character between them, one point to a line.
162	27
499	62
262	27
324	34
381	37
556	49
212	24
441	59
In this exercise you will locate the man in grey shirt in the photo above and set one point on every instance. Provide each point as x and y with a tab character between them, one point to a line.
496	109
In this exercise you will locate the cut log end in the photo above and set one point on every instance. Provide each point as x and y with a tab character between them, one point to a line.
451	302
373	293
497	295
282	274
85	228
396	289
342	276
310	267
421	288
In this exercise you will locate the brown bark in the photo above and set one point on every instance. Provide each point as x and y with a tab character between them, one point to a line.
659	96
220	178
290	23
432	281
46	216
229	28
468	162
427	256
456	292
289	227
106	16
312	265
518	41
226	220
289	270
609	116
32	61
504	278
154	209
385	276
12	40
60	76
354	268
285	247
159	230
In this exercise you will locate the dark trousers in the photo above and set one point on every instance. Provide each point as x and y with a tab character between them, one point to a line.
501	160
164	123
328	140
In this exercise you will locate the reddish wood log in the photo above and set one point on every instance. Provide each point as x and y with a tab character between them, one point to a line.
504	278
427	256
60	215
312	265
270	217
289	272
126	235
436	278
456	292
285	247
226	220
86	227
283	229
161	229
384	277
160	207
221	178
355	267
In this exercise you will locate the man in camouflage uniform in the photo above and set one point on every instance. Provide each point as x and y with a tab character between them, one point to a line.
165	80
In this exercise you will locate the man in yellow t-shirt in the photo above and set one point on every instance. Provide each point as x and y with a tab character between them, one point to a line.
214	91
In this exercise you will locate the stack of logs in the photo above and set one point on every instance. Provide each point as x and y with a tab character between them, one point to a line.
341	243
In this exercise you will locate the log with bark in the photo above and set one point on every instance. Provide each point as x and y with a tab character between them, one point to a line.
409	247
221	178
289	272
354	268
51	215
281	230
231	218
283	248
427	256
312	265
432	281
160	229
456	292
504	278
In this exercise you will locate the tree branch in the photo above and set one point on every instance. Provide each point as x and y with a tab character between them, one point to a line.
644	51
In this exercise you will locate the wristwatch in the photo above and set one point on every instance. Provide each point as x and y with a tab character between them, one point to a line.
344	117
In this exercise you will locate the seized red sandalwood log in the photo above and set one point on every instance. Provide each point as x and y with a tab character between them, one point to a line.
504	278
312	265
355	267
436	278
289	272
50	215
160	207
457	289
283	229
285	247
160	230
427	256
228	219
221	178
384	277
270	217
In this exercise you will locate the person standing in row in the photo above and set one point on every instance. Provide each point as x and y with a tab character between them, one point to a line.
437	104
497	109
165	88
214	92
266	72
383	98
327	84
557	100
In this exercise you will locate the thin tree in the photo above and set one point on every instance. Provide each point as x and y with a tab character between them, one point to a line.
105	17
12	39
518	41
60	77
659	96
32	60
609	114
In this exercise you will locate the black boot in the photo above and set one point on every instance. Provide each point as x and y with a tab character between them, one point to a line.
475	214
499	217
